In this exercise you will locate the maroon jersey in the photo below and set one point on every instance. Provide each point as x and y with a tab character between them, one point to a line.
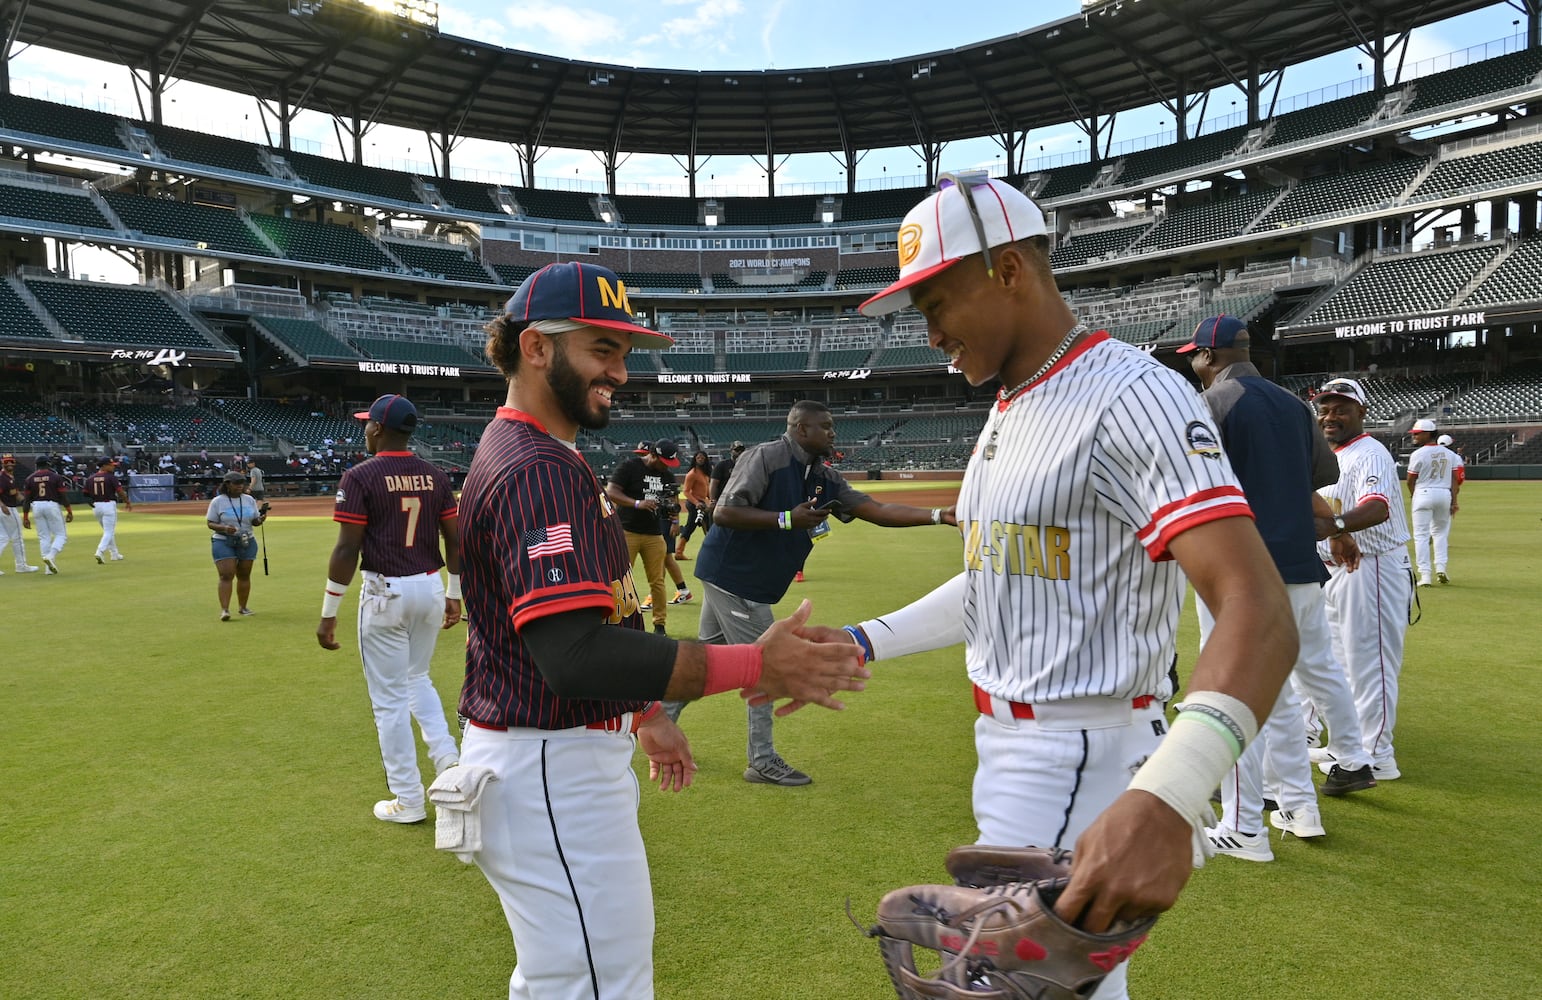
400	499
45	484
538	537
102	486
10	496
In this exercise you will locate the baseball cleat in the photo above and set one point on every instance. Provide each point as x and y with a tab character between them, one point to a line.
26	569
1247	846
681	597
775	771
1302	823
392	811
116	557
99	560
1387	771
1441	576
1342	782
1424	581
49	569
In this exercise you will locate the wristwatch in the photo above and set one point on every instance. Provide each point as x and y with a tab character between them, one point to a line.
1338	522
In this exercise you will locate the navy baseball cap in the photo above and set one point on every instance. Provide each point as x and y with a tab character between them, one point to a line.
666	451
1216	331
393	412
584	293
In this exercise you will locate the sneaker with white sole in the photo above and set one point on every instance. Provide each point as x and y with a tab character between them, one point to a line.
224	616
26	569
116	557
1247	846
1342	780
49	568
247	612
1314	739
1387	771
1320	755
775	771
1441	576
1303	823
1424	581
681	597
99	560
646	604
392	811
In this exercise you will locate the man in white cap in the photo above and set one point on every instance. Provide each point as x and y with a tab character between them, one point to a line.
1367	608
1433	485
1074	569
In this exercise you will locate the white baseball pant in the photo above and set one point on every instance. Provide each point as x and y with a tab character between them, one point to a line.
1321	686
1431	528
399	622
1040	784
1279	738
48	521
10	534
1368	618
562	848
106	512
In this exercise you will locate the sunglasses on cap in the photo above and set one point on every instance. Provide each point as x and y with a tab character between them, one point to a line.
964	183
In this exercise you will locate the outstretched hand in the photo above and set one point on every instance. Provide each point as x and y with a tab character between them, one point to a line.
805	670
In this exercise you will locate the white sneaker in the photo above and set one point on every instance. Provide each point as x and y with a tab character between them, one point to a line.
392	811
1320	755
1247	846
116	557
443	764
1424	581
1386	772
49	569
26	569
1302	823
1314	739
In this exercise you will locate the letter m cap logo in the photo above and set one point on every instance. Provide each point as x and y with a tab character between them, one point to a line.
615	297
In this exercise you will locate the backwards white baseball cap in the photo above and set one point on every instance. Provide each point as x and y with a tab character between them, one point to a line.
1444	440
1425	425
966	215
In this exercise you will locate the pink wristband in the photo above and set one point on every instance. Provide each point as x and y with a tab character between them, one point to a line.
731	668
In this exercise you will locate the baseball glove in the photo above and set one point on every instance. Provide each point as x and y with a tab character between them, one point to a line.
1002	941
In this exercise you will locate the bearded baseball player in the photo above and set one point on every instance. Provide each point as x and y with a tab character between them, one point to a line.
45	495
10	514
392	511
1074	569
105	491
1434	483
561	680
1281	457
1367	608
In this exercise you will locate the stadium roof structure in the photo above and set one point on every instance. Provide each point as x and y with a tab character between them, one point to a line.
349	59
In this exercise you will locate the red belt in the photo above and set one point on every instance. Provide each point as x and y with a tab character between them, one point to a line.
982	701
615	724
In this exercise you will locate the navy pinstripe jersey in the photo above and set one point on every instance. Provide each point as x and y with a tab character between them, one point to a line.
10	496
401	500
45	484
538	537
102	486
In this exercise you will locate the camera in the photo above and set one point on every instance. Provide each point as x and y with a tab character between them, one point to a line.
244	539
668	507
262	511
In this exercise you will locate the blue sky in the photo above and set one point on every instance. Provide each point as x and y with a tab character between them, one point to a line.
699	34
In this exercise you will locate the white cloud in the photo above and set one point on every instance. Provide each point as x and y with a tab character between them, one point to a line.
570	32
773	15
709	26
454	21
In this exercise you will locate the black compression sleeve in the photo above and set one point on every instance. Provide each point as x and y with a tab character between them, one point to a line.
582	657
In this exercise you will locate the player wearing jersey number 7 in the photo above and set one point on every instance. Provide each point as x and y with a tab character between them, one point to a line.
561	680
1075	560
392	512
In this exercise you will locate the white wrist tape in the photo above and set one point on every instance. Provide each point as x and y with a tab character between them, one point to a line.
933	622
1209	734
332	598
452	587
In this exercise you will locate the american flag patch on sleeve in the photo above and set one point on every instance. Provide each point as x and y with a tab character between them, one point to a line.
552	541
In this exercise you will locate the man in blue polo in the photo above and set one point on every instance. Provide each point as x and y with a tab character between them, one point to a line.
776	504
1281	458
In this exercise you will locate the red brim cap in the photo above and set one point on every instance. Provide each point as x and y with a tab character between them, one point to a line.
673	463
1186	348
897	295
642	337
364	415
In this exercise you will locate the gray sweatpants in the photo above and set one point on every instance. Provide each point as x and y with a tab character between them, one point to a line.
727	620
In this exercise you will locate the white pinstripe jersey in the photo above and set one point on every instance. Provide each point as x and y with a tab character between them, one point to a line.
1070	590
1367	472
1434	465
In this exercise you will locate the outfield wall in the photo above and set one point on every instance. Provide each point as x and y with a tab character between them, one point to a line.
916	475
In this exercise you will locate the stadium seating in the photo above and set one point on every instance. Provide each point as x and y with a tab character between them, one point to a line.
471	196
45	118
1244	307
117	314
163	427
220	230
57	206
445	260
1500	166
28	423
1078	247
681	361
784	210
513	275
538	203
669	280
1403	284
1320	119
641	363
323	243
1141	334
339	175
1475	80
417	352
17	320
866	277
1069	180
1216	220
1515	280
1511	395
306	337
910	357
777	361
215	151
299	424
1341	194
885	203
1199	151
655	210
836	360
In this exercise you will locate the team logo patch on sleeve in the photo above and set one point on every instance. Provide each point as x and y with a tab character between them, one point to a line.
341	497
1202	440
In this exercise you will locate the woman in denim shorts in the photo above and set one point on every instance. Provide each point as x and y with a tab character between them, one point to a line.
233	513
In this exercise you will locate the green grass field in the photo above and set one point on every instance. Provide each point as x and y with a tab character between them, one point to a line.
188	802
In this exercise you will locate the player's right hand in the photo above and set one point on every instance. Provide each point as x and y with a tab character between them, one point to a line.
650	505
806	672
326	634
807	516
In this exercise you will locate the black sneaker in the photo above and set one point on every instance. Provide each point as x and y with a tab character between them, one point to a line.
776	771
659	630
1342	782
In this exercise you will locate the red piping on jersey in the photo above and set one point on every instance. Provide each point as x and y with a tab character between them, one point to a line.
509	413
349	518
1159	552
1340	447
1157	547
393	454
1375	496
1069	356
584	595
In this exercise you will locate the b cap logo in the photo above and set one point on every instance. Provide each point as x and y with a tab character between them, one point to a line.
1202	440
909	243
